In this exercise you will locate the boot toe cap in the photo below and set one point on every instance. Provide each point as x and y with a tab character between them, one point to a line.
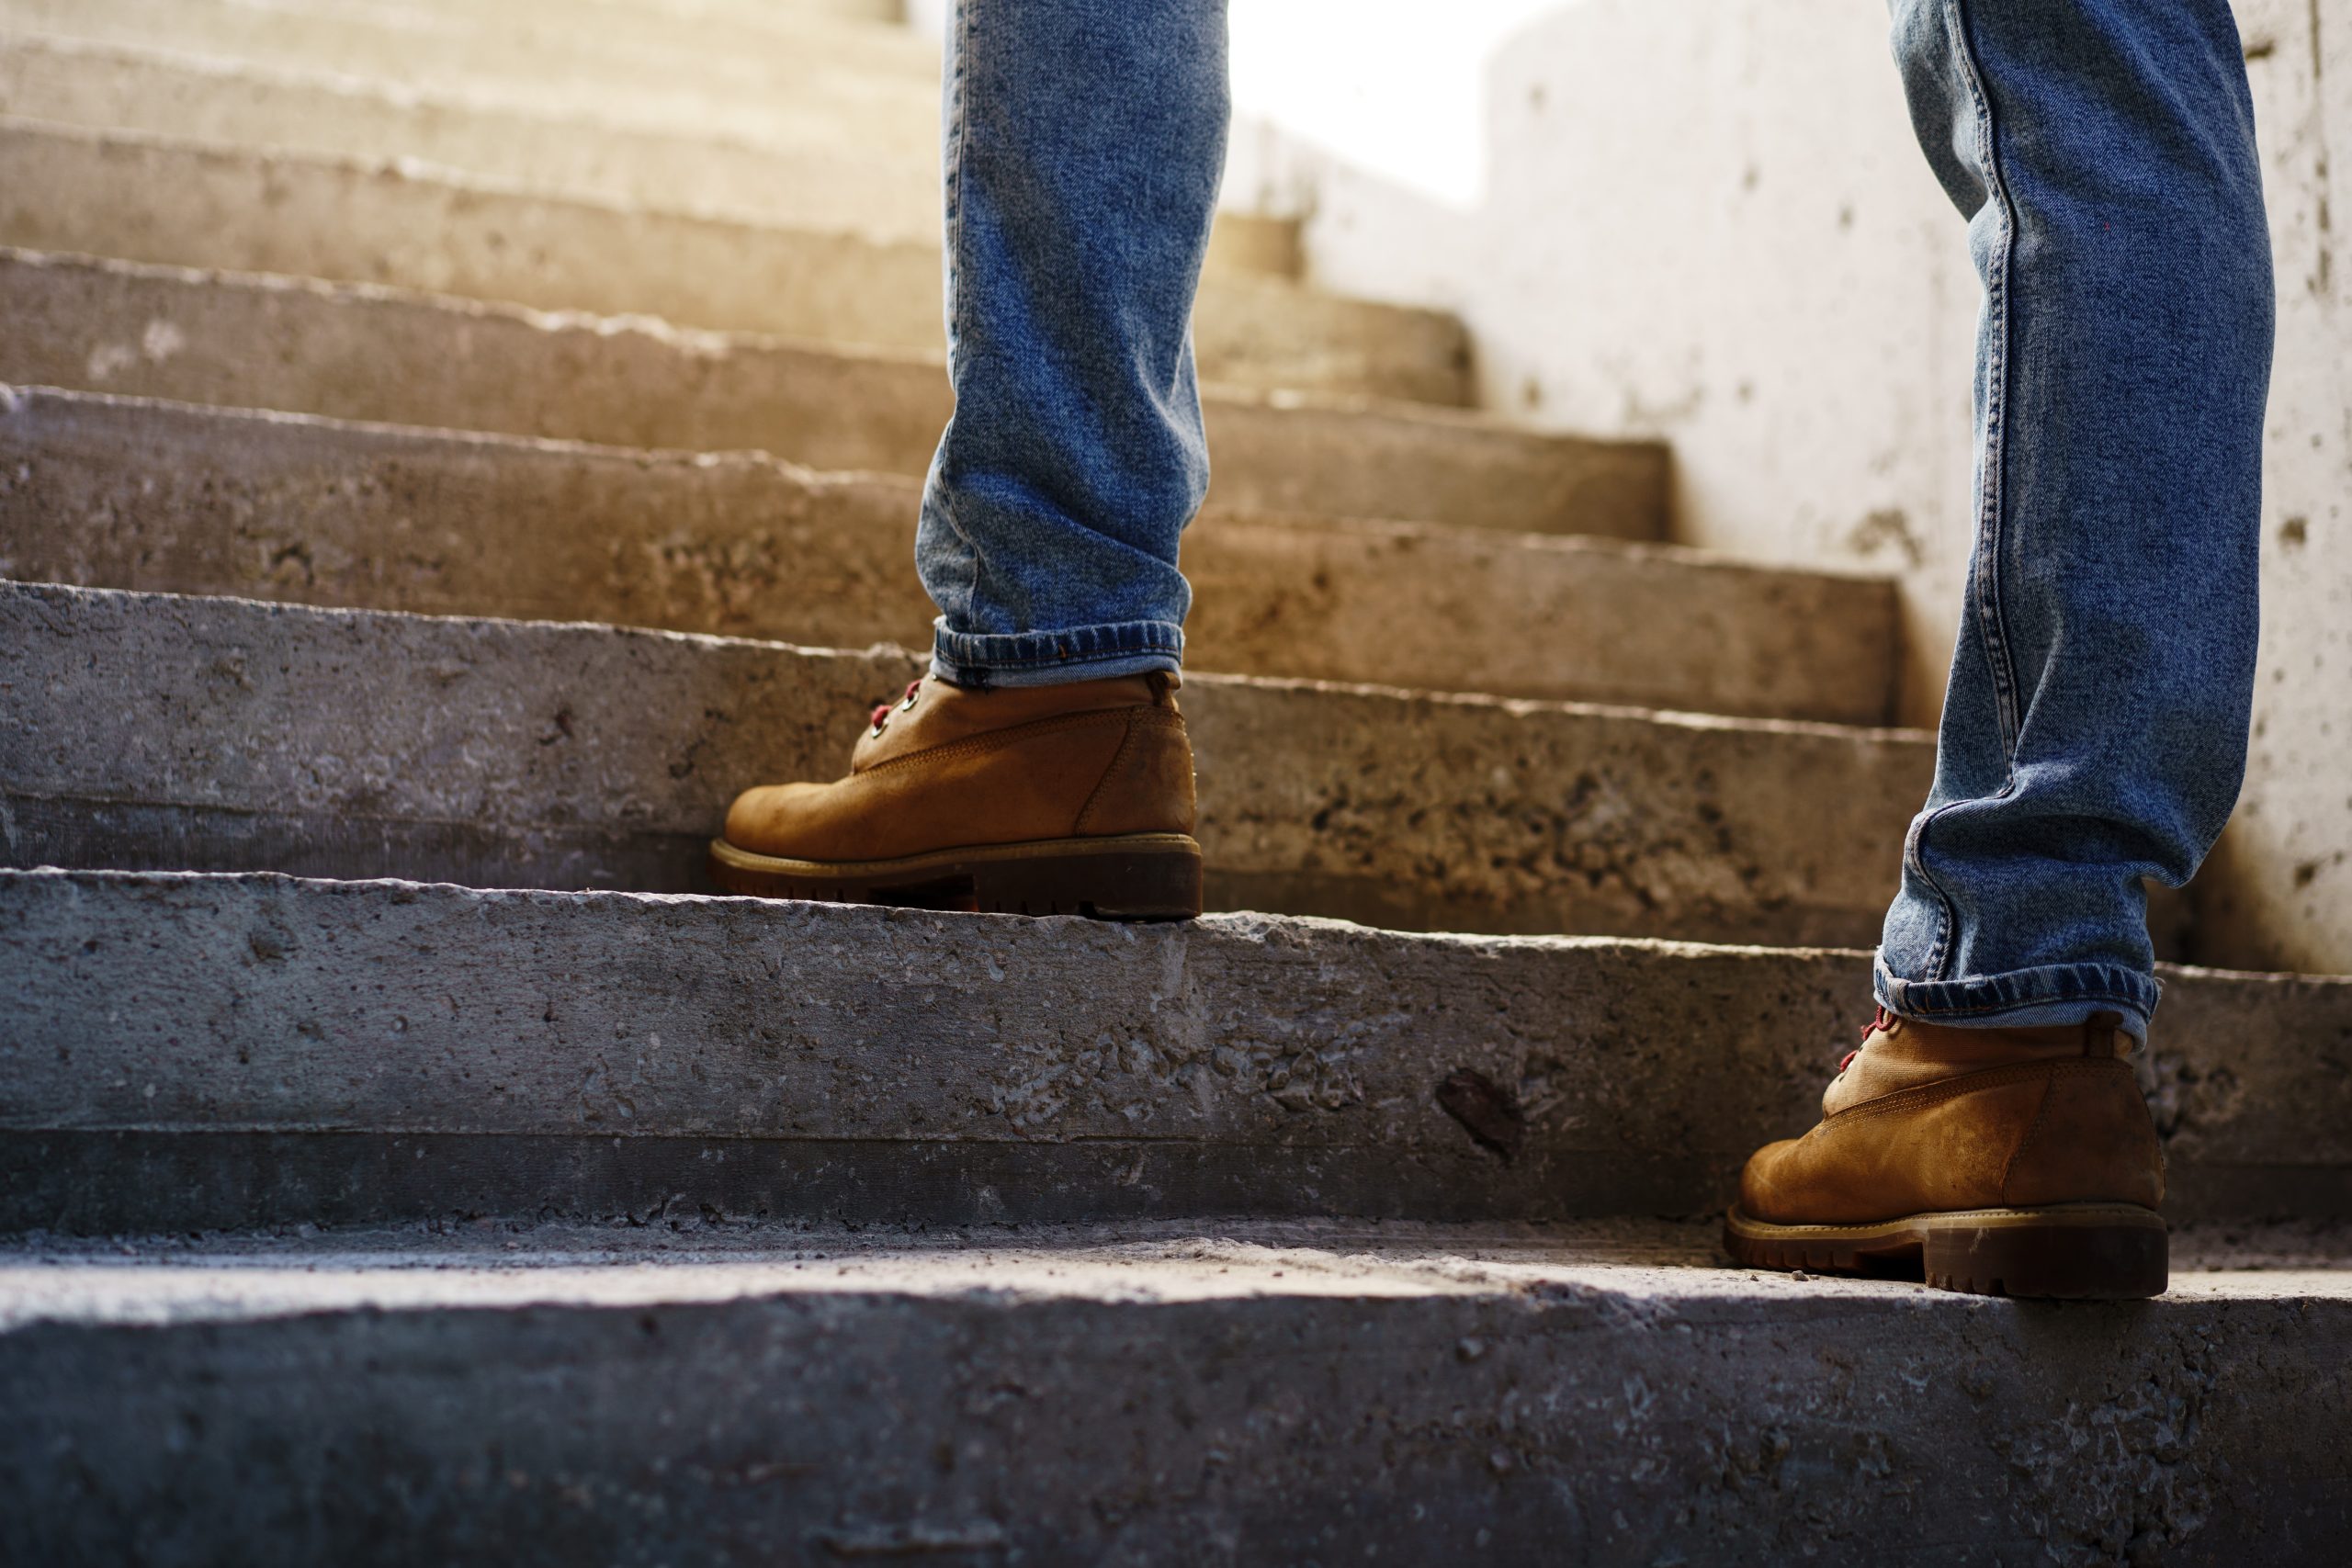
773	819
1762	1192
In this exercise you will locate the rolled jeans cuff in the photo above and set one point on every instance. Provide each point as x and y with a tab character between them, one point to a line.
1057	658
2023	998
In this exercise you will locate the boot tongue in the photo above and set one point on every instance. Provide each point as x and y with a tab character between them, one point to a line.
1910	1054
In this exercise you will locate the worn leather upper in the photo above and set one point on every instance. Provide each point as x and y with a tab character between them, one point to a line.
963	768
1947	1118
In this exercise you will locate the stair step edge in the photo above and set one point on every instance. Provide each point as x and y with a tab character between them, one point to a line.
1398	807
149	495
273	1050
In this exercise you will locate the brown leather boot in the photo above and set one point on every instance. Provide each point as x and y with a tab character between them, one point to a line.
1032	800
2017	1162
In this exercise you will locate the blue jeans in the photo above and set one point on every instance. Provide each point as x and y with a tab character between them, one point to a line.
1084	143
2094	732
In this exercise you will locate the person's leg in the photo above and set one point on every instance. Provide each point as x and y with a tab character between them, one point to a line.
1042	766
1085	142
2094	729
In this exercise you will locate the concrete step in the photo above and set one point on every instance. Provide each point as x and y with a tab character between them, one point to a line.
353	743
885	80
1214	1394
863	37
1239	1394
193	1052
366	353
804	161
182	203
788	21
124	493
831	157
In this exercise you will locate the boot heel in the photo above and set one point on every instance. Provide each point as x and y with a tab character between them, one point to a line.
2094	1253
1142	877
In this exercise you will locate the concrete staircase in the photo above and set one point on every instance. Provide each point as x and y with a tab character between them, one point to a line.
447	449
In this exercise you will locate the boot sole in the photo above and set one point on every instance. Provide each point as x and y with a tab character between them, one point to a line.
1132	876
2070	1251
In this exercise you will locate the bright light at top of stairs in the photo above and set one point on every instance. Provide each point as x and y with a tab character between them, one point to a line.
1396	88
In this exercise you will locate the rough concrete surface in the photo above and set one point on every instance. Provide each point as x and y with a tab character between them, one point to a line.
193	1051
698	1223
725	163
2277	892
816	168
662	78
170	201
124	493
1216	1395
368	353
1782	292
510	753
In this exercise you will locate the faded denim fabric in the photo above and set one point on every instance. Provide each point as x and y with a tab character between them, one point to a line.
1084	143
2094	731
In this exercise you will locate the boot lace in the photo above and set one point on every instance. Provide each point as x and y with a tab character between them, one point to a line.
880	716
1880	1019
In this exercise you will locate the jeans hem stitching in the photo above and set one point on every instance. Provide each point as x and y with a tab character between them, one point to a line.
1992	495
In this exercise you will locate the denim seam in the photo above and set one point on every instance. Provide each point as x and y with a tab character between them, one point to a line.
1946	916
1992	497
1040	661
958	141
2128	1004
1915	852
2126	1000
1171	645
957	136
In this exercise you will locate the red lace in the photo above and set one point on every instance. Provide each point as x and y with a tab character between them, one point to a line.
880	716
1880	1019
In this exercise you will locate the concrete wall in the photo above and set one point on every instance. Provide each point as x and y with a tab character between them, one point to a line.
1706	220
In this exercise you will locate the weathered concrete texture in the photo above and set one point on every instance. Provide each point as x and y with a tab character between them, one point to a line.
765	168
2277	892
1784	293
1258	244
1465	610
190	1052
809	180
522	754
151	199
809	170
358	351
866	75
123	493
431	1402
